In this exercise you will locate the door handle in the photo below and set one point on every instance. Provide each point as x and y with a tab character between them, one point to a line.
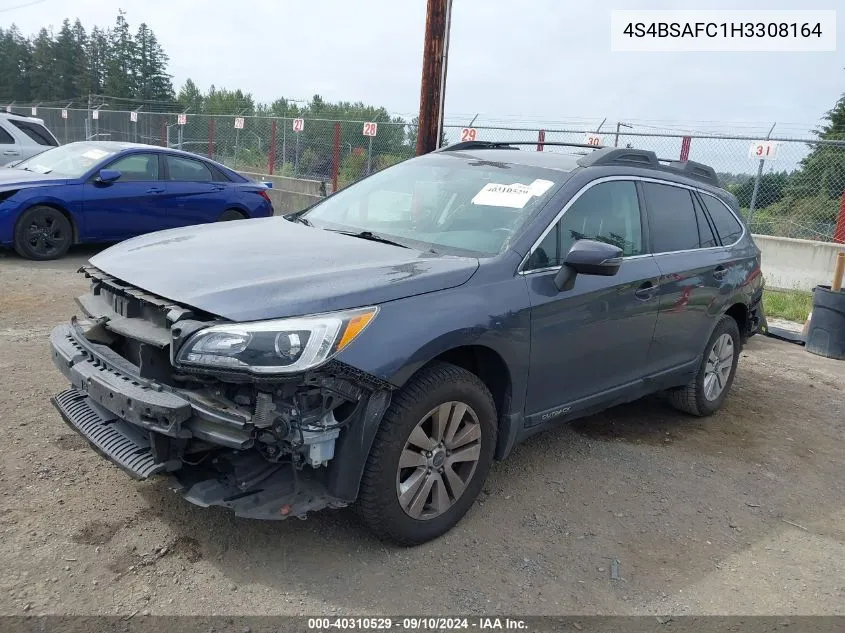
719	272
645	291
155	190
11	152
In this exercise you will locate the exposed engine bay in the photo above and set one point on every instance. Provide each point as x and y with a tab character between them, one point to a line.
262	446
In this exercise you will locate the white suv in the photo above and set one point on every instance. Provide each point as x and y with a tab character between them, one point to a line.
22	137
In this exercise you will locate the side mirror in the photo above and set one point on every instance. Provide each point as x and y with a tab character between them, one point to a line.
108	176
588	257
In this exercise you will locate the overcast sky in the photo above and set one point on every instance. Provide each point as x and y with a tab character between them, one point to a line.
520	61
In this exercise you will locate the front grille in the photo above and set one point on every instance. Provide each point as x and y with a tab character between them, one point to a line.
114	439
138	321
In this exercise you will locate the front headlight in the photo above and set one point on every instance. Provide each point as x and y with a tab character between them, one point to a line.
281	346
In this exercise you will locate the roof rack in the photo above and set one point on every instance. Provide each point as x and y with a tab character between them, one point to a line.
608	156
649	160
508	145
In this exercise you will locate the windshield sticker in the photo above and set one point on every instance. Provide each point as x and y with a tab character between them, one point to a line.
515	196
540	186
95	154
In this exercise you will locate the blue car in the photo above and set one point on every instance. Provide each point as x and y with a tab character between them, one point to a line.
109	191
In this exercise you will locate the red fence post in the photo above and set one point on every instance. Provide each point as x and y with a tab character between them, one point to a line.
685	143
211	130
541	137
839	231
164	131
271	153
335	156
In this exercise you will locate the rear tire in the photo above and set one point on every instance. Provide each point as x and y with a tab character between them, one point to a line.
42	233
706	393
231	214
417	500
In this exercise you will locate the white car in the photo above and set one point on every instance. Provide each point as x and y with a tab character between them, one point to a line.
22	137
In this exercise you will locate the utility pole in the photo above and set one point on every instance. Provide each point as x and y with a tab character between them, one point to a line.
433	85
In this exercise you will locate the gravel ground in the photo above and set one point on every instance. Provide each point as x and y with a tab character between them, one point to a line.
742	513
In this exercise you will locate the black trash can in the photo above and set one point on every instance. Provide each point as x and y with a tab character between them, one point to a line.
826	334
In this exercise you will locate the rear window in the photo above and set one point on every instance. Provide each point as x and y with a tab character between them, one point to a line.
6	138
672	223
727	226
36	132
187	170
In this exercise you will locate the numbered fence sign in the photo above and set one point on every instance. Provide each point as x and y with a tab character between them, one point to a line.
95	114
239	123
298	125
592	139
370	129
764	150
468	134
64	114
34	110
182	119
133	116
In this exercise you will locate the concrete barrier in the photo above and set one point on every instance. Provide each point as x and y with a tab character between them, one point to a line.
292	194
792	264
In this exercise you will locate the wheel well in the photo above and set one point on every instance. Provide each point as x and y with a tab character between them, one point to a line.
489	367
73	228
240	212
739	313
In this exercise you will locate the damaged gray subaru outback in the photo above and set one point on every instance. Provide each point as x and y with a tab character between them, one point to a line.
384	346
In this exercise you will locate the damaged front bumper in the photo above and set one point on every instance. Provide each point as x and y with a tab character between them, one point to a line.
213	453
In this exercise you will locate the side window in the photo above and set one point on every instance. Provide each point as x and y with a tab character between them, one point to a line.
187	170
672	223
546	254
6	138
727	226
608	212
706	233
137	167
36	132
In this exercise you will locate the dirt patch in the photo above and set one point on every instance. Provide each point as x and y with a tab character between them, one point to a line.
97	532
740	513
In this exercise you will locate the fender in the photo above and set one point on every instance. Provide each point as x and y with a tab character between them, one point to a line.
400	341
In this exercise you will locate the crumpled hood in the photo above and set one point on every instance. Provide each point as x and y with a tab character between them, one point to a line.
270	268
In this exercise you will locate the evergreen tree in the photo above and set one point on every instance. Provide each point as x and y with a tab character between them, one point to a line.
822	172
42	69
15	59
97	53
70	63
190	97
121	76
151	67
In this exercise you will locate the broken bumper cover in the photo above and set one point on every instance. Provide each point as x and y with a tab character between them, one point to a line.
124	418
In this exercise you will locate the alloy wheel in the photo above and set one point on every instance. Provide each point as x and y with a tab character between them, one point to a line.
719	366
45	235
438	460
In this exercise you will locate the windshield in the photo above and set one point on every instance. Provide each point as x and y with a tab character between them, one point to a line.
441	200
67	161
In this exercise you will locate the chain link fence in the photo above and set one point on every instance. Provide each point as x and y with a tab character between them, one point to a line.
798	191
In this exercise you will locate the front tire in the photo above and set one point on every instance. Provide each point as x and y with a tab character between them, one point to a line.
430	456
43	233
706	393
231	214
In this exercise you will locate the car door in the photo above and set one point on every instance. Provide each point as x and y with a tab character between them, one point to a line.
693	270
194	196
589	345
33	137
131	205
10	149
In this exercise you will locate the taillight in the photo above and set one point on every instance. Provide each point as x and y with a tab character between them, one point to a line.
263	193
